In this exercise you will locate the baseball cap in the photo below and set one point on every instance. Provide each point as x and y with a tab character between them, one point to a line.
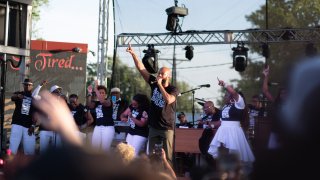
55	87
115	89
27	81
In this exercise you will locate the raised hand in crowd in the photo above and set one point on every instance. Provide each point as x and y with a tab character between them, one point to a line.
59	117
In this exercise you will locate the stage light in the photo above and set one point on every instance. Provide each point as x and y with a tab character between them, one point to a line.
240	57
150	59
189	52
77	49
311	50
173	13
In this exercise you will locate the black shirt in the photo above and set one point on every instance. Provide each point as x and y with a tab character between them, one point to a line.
211	117
118	108
22	114
78	114
135	129
161	114
103	115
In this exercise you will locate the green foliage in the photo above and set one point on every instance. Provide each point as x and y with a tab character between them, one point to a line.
36	6
281	14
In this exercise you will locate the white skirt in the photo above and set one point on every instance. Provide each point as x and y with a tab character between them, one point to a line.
231	135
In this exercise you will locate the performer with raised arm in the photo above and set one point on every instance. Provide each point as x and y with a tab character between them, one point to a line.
230	136
162	108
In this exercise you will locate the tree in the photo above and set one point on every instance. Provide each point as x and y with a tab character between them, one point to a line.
281	14
36	6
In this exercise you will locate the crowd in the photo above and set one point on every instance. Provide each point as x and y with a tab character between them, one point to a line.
76	139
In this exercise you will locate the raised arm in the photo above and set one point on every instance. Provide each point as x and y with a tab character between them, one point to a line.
38	88
145	74
169	98
103	101
265	88
230	89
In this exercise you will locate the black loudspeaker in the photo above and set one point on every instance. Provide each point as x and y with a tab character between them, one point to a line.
18	14
171	22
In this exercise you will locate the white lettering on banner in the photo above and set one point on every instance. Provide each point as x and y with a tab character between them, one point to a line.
99	111
26	104
157	98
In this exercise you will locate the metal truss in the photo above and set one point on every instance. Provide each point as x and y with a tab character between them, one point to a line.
220	37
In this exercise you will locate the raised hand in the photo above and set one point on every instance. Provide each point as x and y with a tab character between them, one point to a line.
44	83
89	89
265	72
130	50
59	117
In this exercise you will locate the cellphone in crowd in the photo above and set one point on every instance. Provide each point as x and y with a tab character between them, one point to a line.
113	99
158	149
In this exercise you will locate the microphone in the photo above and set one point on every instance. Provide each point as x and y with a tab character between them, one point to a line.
273	84
205	85
153	82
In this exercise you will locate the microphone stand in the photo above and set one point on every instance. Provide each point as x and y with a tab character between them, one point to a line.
192	90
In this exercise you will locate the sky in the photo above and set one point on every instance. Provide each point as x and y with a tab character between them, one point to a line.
77	21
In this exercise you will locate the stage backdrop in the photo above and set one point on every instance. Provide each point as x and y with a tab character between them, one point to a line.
61	63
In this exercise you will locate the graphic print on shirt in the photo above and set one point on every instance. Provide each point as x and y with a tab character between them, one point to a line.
73	113
157	98
225	111
134	115
115	111
99	112
26	104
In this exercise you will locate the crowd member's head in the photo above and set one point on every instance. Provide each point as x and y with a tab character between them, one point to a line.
73	100
208	107
125	152
165	74
255	101
27	85
102	90
182	117
56	90
140	101
115	92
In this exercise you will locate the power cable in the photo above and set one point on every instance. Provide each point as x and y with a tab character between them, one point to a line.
205	66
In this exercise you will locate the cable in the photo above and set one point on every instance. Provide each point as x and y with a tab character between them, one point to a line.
205	66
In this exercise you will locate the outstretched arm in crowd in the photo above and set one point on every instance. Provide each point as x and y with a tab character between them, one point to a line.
139	65
38	88
59	117
166	164
265	88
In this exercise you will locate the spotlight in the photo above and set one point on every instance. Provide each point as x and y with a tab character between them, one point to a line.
288	34
189	52
240	57
173	13
310	50
150	59
77	49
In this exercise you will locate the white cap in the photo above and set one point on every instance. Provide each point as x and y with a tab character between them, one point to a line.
115	89
55	87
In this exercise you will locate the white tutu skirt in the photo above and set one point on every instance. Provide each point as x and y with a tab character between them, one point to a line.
231	135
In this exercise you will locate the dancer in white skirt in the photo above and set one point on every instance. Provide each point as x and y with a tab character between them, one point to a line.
230	135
